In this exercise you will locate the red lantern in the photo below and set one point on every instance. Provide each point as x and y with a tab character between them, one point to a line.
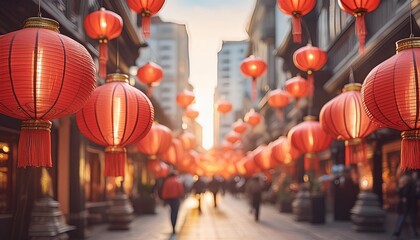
239	126
359	9
115	116
390	94
156	142
187	140
188	158
191	113
310	59
345	119
297	86
297	9
233	137
253	118
43	75
103	25
309	137
224	106
185	98
278	98
283	152
159	169
150	74
146	8
174	152
250	165
262	157
253	67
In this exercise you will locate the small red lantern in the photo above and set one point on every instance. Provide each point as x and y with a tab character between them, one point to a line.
262	157
283	152
253	67
278	98
250	165
253	118
146	8
390	95
43	75
296	87
185	98
297	9
156	142
345	119
150	74
310	138
233	137
174	152
359	9
191	113
224	106
310	59
103	25
188	159
115	116
158	168
239	126
187	140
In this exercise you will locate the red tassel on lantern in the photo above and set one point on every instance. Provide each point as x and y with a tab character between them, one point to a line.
103	57
253	67
311	162
35	143
297	28
115	161
146	9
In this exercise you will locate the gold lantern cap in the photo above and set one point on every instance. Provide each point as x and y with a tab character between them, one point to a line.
352	87
407	43
310	118
116	77
40	22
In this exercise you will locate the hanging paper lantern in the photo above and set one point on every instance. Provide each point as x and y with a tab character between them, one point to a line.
250	165
283	152
191	113
150	74
115	116
158	168
174	152
278	98
296	87
103	25
146	8
345	119
187	140
156	142
310	138
188	158
233	137
359	9
390	95
253	118
310	59
239	126
224	106
262	157
253	67
297	9
185	98
43	75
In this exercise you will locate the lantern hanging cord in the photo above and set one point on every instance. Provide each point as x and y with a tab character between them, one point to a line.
411	19
39	8
307	32
118	57
351	75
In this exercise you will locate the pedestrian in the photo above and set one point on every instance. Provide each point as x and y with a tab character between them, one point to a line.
407	205
254	190
199	187
214	187
172	192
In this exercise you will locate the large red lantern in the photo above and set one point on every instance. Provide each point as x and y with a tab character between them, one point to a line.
310	59
115	116
156	142
310	138
296	87
43	75
103	25
185	98
146	8
345	119
224	106
359	9
253	67
283	152
150	74
278	98
296	8
390	94
253	118
174	152
239	126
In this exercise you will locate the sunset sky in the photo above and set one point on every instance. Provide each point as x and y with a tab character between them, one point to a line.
208	23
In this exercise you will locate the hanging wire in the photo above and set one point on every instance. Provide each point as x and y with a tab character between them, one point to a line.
39	8
118	57
411	19
307	32
351	75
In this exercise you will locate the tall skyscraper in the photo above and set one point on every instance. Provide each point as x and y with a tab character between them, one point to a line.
231	86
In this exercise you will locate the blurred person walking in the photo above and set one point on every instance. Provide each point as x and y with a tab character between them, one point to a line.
172	192
199	187
254	190
214	186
